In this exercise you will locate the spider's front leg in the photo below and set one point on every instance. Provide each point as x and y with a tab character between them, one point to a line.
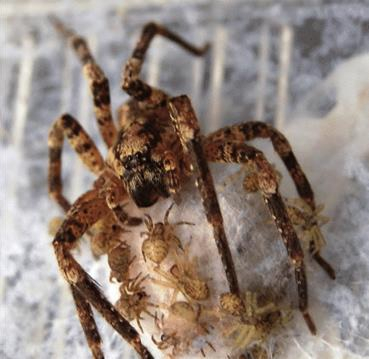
86	211
132	83
237	152
97	81
187	128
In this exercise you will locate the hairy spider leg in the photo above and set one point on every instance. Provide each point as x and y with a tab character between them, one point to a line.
132	84
238	152
187	127
166	216
87	151
87	320
86	211
248	131
97	81
81	142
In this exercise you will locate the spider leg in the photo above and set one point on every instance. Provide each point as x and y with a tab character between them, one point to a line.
231	330
97	81
81	142
166	216
132	84
238	152
188	130
88	323
248	131
86	211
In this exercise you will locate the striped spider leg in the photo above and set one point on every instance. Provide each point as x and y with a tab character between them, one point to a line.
187	127
248	131
228	151
86	211
80	141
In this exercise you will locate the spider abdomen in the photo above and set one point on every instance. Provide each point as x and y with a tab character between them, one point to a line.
196	289
155	249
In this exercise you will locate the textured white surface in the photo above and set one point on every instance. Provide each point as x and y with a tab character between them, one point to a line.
37	315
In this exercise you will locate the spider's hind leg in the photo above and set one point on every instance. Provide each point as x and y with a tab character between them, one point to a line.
238	152
97	81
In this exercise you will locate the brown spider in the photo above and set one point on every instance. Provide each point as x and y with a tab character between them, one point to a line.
183	277
182	326
119	260
252	322
105	235
308	222
155	150
160	238
134	300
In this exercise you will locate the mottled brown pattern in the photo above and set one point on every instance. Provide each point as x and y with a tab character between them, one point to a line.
97	81
132	84
157	148
145	162
69	127
88	323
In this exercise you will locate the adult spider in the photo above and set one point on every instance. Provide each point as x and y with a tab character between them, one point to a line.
155	150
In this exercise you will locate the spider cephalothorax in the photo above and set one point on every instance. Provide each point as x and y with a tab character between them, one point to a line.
155	150
148	166
134	300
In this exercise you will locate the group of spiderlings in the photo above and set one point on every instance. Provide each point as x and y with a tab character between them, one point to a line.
254	321
184	321
106	238
160	244
244	322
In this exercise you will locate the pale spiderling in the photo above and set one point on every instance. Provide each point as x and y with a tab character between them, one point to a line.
160	238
